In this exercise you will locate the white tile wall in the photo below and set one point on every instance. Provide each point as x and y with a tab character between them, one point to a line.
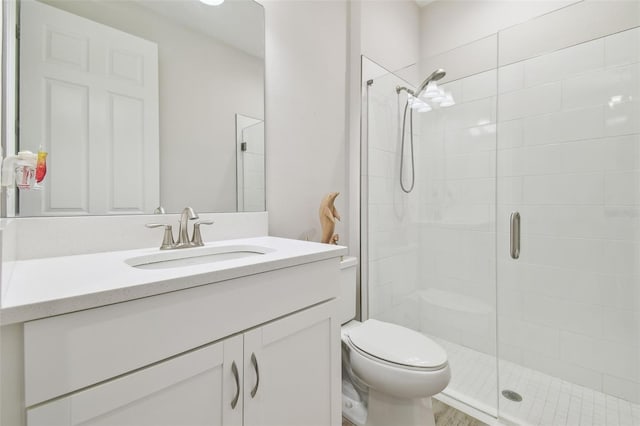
458	162
569	161
587	20
562	132
529	102
392	245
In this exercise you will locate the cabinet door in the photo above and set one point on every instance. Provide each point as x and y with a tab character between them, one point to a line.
292	370
192	389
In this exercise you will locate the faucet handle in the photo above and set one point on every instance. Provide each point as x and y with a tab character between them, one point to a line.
167	239
196	239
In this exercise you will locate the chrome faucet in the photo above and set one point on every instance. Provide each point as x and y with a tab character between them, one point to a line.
183	232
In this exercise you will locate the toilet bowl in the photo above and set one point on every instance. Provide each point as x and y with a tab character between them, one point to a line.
389	372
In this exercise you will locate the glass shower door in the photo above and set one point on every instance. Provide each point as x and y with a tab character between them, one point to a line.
568	161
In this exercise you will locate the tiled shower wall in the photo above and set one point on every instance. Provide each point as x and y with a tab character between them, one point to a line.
562	111
569	162
458	207
393	243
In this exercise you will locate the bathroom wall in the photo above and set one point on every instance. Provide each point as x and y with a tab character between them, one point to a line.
308	64
389	32
37	237
446	25
306	53
392	243
396	35
569	161
457	210
191	110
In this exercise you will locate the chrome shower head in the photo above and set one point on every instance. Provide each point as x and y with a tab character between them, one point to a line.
435	76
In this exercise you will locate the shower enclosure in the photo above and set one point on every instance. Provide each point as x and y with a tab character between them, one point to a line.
547	126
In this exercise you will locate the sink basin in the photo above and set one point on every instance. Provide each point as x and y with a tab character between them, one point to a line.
195	256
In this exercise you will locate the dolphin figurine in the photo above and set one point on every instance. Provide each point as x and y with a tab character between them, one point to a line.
328	216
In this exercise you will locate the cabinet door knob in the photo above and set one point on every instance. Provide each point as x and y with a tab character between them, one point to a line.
254	362
234	370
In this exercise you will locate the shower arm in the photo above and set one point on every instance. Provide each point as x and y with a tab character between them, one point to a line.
406	89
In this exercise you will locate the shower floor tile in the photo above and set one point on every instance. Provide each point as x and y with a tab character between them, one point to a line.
546	400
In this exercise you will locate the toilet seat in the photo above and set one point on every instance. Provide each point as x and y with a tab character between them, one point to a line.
397	346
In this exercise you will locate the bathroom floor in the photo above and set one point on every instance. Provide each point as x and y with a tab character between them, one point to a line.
545	400
445	416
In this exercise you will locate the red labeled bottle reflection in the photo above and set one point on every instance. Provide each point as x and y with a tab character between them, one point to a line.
41	166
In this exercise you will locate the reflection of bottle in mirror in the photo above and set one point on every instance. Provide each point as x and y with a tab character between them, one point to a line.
41	168
25	169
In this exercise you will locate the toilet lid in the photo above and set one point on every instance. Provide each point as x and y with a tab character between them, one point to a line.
398	345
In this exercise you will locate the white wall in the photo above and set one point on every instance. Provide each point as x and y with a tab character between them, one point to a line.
306	53
448	24
197	114
389	32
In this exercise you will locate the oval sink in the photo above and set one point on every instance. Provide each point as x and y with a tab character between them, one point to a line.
195	256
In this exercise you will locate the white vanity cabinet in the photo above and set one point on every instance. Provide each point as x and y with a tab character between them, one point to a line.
191	389
271	339
282	376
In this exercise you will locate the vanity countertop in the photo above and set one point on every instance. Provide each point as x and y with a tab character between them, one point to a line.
51	286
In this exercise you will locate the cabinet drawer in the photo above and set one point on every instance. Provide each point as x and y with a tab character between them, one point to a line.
72	351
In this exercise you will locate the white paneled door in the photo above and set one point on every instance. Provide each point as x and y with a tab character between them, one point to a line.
88	96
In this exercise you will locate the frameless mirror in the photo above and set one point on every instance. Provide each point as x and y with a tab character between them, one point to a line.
140	104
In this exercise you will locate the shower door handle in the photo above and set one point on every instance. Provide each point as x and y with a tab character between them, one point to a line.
515	235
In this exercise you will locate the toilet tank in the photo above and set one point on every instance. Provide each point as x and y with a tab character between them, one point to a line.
347	289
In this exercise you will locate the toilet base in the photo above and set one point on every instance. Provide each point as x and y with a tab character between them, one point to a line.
385	410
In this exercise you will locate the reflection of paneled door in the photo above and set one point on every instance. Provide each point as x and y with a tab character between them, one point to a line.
89	96
250	164
253	168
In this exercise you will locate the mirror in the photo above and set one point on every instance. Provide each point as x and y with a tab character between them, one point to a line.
140	105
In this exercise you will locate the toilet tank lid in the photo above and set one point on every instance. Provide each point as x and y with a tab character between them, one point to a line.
398	345
348	261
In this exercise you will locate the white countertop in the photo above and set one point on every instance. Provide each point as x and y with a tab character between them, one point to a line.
45	287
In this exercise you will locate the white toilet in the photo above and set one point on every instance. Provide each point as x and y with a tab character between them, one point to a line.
389	372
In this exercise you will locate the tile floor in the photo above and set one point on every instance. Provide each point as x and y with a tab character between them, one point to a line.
546	400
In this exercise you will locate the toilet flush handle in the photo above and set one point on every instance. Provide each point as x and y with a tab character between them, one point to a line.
254	362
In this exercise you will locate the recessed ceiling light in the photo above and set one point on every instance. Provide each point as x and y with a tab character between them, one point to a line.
212	2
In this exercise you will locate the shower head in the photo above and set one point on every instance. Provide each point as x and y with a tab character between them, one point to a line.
435	76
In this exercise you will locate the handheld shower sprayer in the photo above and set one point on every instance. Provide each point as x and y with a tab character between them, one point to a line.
435	76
